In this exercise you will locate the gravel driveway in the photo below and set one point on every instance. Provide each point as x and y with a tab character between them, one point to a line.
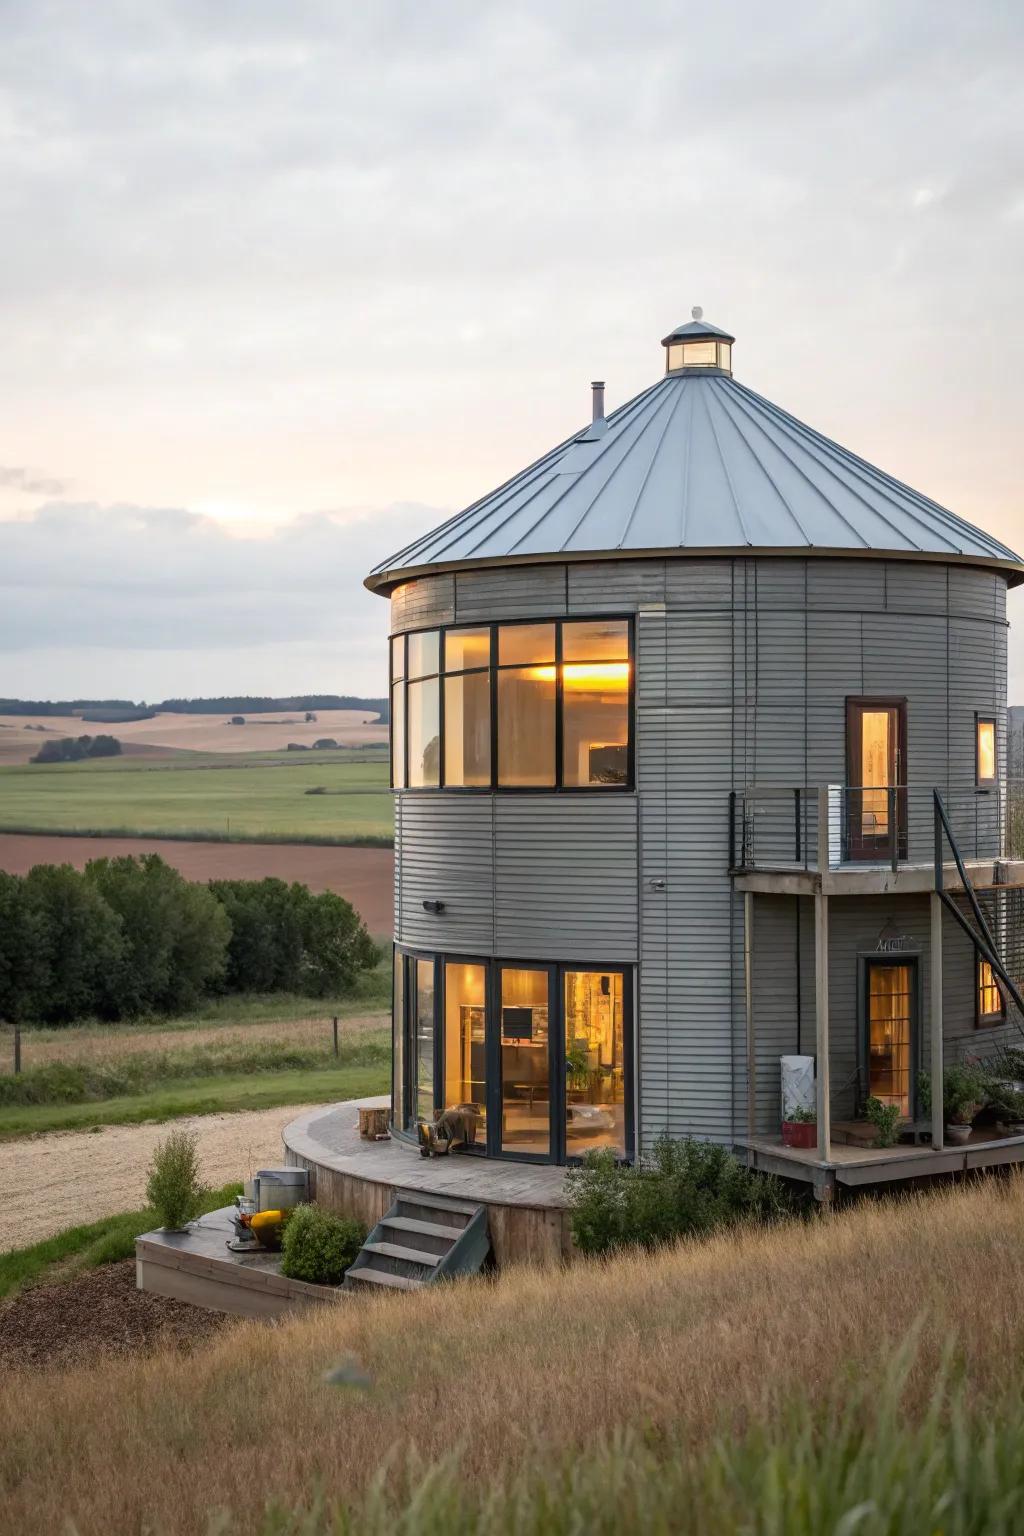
67	1178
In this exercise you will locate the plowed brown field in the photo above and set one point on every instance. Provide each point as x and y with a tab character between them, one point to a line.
363	876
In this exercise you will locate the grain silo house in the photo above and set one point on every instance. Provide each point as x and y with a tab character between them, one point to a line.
699	759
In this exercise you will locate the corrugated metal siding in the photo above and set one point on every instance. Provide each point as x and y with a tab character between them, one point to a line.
514	592
741	654
604	587
565	878
418	604
447	855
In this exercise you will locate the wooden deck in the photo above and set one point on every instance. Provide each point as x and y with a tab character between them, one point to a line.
856	1166
527	1206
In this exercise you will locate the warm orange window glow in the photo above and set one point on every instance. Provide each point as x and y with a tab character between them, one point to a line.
890	1004
990	999
986	751
612	675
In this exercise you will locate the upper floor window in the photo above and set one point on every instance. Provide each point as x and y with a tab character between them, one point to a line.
985	749
532	705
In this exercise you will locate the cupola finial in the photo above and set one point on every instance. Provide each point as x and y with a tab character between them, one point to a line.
697	312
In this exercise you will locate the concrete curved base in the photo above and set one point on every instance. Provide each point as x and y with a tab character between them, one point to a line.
527	1205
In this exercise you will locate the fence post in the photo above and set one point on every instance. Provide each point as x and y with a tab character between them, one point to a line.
17	1049
334	1026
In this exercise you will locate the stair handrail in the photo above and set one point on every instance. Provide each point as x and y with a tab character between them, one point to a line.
986	944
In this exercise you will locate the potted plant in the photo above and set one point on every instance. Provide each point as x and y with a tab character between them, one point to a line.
800	1127
885	1119
173	1188
965	1091
1009	1107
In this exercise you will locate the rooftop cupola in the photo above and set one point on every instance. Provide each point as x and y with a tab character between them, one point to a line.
698	346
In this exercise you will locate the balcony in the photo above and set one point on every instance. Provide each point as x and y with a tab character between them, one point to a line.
857	840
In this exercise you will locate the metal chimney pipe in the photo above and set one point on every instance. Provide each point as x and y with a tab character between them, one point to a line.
598	387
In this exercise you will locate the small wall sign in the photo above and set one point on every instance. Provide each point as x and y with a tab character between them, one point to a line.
894	944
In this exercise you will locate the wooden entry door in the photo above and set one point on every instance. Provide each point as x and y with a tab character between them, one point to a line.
876	779
890	1031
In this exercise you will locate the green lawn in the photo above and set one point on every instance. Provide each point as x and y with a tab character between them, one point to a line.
257	797
199	1096
99	1242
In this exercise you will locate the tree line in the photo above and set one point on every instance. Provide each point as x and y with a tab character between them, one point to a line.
131	936
72	749
252	704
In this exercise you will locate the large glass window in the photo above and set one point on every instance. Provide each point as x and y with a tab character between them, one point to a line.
525	1062
595	1061
513	706
876	778
595	703
465	1042
535	1059
467	708
423	1037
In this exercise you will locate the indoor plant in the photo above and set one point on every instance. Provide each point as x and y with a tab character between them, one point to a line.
799	1127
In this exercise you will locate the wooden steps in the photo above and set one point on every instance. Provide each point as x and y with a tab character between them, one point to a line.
422	1238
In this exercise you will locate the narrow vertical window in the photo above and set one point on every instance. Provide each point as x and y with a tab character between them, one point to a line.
423	710
985	750
398	711
467	708
991	1005
526	706
398	1105
876	778
595	703
465	1044
595	1062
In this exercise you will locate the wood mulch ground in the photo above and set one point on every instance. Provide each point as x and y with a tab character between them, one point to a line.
97	1313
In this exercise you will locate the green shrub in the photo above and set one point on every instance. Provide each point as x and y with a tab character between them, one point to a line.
685	1188
319	1246
173	1188
884	1118
966	1089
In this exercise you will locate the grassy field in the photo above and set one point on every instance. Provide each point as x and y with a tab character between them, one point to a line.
84	1247
323	797
758	1382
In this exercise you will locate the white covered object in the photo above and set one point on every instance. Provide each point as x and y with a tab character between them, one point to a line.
797	1083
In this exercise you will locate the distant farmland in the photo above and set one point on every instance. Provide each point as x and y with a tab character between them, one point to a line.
318	797
21	736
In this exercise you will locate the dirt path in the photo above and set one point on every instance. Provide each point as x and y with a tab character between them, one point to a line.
68	1178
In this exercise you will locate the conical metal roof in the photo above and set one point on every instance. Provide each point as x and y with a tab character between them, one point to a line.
697	464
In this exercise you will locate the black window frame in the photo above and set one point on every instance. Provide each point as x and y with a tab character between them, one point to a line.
558	787
493	966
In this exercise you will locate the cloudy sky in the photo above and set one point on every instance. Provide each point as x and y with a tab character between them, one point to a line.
282	285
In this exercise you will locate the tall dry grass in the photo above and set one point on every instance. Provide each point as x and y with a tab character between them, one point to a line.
537	1364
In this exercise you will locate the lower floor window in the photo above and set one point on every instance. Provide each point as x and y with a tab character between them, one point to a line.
533	1060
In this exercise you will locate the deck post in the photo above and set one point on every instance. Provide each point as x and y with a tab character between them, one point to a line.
936	1021
748	986
821	1022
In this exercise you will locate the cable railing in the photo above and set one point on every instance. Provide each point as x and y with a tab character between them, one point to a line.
780	827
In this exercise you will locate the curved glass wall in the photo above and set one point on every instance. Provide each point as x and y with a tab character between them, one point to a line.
527	1061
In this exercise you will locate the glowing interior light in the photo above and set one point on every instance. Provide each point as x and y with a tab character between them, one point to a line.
586	674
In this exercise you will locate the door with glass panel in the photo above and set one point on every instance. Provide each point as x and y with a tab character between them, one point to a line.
890	1003
421	1014
876	779
595	1060
519	1061
465	1048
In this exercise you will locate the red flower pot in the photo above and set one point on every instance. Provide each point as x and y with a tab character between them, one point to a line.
799	1133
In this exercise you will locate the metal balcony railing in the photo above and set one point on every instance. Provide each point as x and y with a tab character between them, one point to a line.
774	827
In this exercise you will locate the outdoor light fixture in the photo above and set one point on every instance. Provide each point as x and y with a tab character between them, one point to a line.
433	906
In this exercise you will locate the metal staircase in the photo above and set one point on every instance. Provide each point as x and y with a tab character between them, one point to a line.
992	918
422	1238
